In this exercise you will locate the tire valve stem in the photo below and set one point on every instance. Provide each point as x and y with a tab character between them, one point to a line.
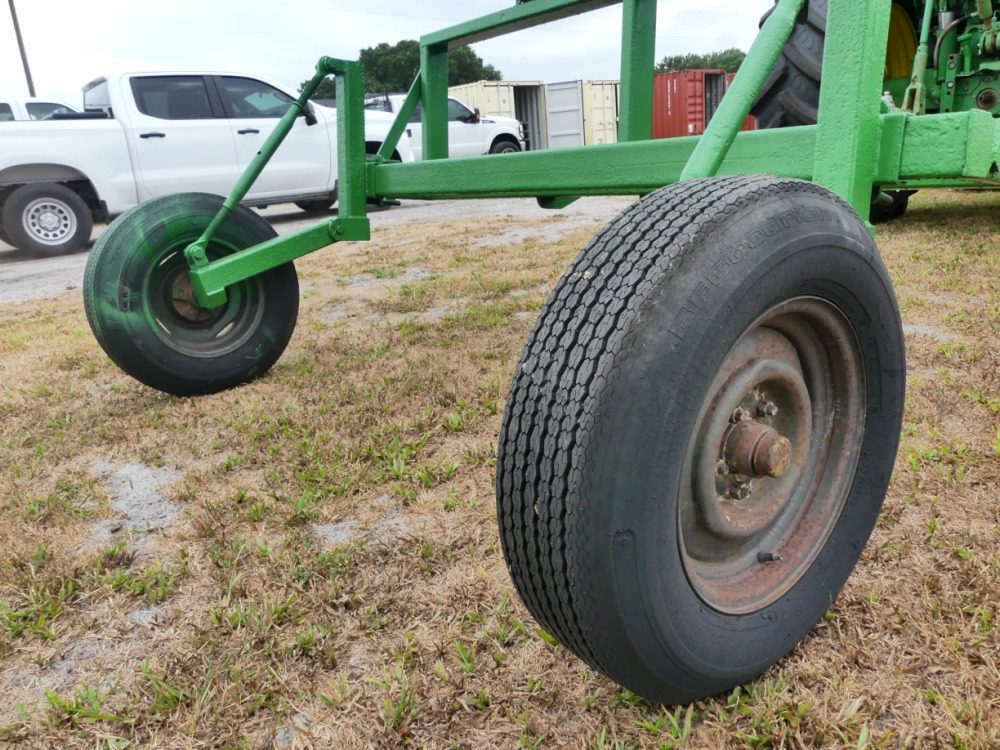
766	557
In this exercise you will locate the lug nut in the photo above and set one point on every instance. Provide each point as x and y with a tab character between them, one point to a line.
739	415
722	468
766	409
740	490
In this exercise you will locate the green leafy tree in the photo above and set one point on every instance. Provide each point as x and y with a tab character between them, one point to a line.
728	60
327	89
394	67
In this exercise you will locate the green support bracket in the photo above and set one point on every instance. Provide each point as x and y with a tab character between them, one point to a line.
638	67
401	121
735	105
209	280
848	129
434	95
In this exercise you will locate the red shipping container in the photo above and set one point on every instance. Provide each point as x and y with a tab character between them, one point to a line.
684	102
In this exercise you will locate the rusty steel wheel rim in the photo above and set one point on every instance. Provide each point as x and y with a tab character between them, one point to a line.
189	329
772	456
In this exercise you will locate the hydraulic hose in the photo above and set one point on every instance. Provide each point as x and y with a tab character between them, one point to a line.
944	32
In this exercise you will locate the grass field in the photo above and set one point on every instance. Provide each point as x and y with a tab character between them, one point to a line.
312	560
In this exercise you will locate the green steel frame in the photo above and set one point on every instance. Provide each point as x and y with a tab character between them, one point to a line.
857	144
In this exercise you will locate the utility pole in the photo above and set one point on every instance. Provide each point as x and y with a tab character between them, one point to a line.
20	46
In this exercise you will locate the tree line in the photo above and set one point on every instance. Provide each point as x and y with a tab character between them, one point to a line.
394	67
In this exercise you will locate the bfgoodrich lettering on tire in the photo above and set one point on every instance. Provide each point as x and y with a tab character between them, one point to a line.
700	433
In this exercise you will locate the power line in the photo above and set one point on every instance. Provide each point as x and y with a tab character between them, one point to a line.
20	46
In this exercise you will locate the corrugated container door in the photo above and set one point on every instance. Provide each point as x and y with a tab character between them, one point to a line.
500	99
564	114
601	112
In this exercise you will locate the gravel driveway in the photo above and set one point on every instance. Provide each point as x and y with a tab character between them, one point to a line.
23	278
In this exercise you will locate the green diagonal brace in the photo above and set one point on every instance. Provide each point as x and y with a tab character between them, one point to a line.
210	279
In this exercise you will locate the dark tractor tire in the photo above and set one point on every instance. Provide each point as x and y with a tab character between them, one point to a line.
314	206
138	299
4	238
716	333
900	199
790	95
46	219
317	206
504	147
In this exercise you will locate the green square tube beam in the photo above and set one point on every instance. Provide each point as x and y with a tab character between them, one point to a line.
847	138
638	69
525	16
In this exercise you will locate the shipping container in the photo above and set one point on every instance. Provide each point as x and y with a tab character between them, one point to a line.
582	113
684	102
522	100
601	100
554	115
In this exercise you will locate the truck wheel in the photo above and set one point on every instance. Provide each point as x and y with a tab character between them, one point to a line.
700	433
140	305
790	95
46	219
318	205
504	147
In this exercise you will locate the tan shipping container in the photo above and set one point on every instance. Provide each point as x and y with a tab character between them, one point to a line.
522	100
601	104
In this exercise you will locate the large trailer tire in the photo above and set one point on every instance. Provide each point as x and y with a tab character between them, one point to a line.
46	219
638	526
139	302
790	95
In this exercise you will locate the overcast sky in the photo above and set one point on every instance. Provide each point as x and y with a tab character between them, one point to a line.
70	42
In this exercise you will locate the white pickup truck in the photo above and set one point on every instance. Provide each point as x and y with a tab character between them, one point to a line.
469	133
149	134
31	109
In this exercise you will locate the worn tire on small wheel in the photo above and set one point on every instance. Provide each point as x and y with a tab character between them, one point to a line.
46	219
700	433
142	310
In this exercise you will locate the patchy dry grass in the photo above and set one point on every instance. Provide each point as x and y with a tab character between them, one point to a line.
312	560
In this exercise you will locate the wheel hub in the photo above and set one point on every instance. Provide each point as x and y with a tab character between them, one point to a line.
756	450
182	298
49	221
769	456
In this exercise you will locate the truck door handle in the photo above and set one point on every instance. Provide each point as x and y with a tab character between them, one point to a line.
248	130
152	135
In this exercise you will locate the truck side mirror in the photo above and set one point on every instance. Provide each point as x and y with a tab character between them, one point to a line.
310	114
476	117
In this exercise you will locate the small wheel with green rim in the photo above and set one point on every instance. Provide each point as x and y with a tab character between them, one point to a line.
142	310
